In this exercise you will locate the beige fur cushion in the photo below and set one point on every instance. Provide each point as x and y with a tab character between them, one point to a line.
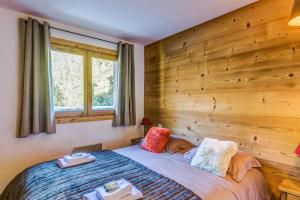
214	156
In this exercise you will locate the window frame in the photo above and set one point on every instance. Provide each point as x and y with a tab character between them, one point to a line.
88	52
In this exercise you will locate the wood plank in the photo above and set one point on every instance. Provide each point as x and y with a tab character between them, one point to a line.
265	103
109	53
64	120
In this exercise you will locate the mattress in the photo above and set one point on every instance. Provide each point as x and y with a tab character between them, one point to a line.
158	176
204	184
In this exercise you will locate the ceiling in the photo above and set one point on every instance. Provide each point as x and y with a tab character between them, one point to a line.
140	21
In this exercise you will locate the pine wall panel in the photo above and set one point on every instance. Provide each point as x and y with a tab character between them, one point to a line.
236	77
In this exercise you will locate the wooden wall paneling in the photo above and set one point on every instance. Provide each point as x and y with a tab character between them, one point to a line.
236	77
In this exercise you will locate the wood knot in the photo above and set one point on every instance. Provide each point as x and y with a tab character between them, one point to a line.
255	138
294	49
291	75
215	103
248	25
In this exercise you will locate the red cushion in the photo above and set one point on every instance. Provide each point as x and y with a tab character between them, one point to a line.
156	139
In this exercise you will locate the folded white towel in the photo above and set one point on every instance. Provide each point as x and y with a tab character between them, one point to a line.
63	164
76	157
134	195
90	196
125	188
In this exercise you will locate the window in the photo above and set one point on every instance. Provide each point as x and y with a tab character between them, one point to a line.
83	80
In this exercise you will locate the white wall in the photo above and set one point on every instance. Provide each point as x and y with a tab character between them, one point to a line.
19	153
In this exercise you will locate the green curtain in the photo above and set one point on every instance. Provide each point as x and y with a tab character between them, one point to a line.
37	111
125	114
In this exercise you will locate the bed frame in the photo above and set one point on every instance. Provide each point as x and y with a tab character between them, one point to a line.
275	173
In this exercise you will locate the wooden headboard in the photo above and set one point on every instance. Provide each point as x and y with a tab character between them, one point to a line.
236	77
275	173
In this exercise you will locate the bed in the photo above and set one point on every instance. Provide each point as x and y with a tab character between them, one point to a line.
158	176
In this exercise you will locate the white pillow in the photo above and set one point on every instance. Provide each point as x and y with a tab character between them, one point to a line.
214	156
190	154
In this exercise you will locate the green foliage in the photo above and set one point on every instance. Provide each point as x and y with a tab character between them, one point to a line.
102	79
68	77
68	81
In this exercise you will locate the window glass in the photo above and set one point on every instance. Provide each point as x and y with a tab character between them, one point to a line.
102	83
68	81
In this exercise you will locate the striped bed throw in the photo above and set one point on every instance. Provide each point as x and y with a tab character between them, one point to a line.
48	181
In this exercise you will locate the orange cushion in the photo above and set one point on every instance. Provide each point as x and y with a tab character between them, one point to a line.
156	139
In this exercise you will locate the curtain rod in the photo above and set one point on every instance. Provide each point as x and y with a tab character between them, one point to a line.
83	35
